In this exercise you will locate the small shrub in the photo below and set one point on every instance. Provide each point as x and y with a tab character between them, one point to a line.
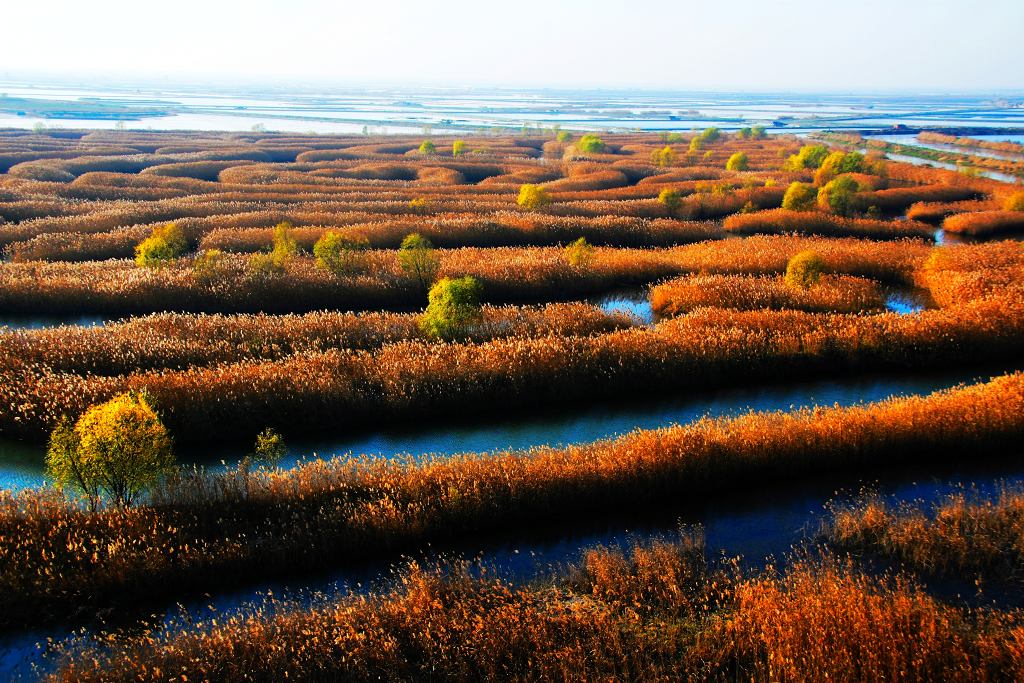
580	253
264	266
839	196
119	449
590	144
837	164
809	156
270	448
737	162
339	253
663	157
804	269
428	147
800	197
417	258
209	267
563	136
458	148
418	205
454	305
533	197
671	199
166	243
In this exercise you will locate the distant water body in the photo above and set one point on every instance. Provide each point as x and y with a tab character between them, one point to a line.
461	111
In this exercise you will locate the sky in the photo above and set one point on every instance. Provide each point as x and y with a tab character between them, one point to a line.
824	45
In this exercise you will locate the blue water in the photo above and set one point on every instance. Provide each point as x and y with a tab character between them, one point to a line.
39	322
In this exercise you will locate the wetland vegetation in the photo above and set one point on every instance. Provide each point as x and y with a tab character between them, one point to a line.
255	290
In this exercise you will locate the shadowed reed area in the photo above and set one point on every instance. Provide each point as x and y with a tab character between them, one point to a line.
201	530
661	612
963	536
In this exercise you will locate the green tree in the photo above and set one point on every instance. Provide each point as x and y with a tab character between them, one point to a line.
590	144
672	200
665	156
119	449
563	136
737	162
800	197
339	253
458	148
454	305
804	270
743	133
580	254
418	259
758	133
809	156
164	244
428	147
839	195
533	197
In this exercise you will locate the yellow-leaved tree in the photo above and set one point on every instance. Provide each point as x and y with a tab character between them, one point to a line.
118	450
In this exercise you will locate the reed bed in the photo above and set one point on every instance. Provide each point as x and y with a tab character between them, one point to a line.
202	529
78	203
984	222
898	199
660	612
934	212
895	261
964	536
995	145
835	293
495	230
507	274
402	381
179	341
979	288
784	221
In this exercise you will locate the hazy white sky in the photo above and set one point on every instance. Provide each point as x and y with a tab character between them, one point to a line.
737	44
